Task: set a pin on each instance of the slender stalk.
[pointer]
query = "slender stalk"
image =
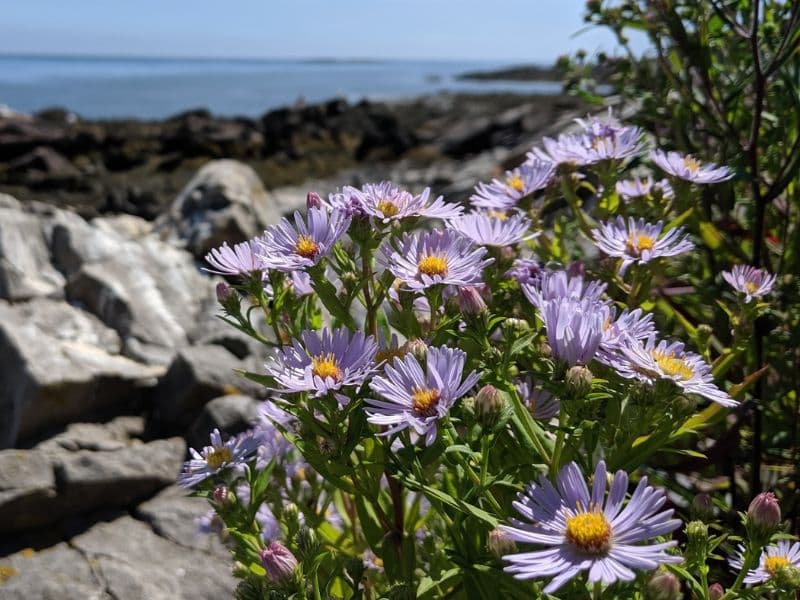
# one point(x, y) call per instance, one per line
point(560, 437)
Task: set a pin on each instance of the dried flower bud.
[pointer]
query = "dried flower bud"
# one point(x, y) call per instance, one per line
point(764, 514)
point(579, 380)
point(663, 586)
point(470, 301)
point(702, 508)
point(313, 200)
point(418, 349)
point(488, 405)
point(715, 591)
point(278, 561)
point(500, 543)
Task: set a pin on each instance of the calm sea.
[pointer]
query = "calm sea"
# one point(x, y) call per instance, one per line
point(156, 88)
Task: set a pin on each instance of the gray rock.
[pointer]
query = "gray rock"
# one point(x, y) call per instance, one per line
point(230, 414)
point(114, 435)
point(57, 573)
point(172, 514)
point(56, 358)
point(27, 488)
point(151, 293)
point(224, 202)
point(197, 375)
point(25, 269)
point(88, 480)
point(135, 563)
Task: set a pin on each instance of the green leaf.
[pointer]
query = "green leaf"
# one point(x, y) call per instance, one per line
point(430, 588)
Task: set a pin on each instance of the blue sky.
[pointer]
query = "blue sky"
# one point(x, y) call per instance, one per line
point(514, 30)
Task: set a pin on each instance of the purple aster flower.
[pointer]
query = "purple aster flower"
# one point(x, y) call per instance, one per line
point(387, 202)
point(631, 324)
point(649, 362)
point(633, 189)
point(286, 247)
point(750, 281)
point(493, 228)
point(278, 561)
point(322, 363)
point(638, 242)
point(575, 329)
point(541, 403)
point(503, 194)
point(773, 558)
point(216, 458)
point(525, 270)
point(689, 168)
point(560, 286)
point(583, 531)
point(416, 397)
point(209, 523)
point(242, 259)
point(434, 257)
point(599, 141)
point(272, 444)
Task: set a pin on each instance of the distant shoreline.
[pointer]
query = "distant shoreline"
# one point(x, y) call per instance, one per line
point(514, 73)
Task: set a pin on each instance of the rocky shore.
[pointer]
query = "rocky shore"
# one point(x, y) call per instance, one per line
point(112, 356)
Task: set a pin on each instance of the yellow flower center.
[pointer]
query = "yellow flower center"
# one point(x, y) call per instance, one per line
point(218, 457)
point(673, 366)
point(306, 247)
point(425, 401)
point(433, 265)
point(772, 564)
point(589, 532)
point(637, 243)
point(750, 287)
point(500, 215)
point(515, 183)
point(691, 163)
point(325, 366)
point(388, 208)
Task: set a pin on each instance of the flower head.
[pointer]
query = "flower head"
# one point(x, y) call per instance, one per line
point(278, 561)
point(575, 329)
point(242, 259)
point(775, 557)
point(618, 331)
point(415, 397)
point(541, 403)
point(435, 257)
point(750, 281)
point(493, 228)
point(525, 270)
point(599, 141)
point(324, 362)
point(649, 362)
point(503, 194)
point(690, 169)
point(633, 189)
point(216, 458)
point(589, 531)
point(560, 286)
point(637, 242)
point(286, 247)
point(387, 202)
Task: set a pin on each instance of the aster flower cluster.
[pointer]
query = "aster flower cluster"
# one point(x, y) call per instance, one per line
point(425, 362)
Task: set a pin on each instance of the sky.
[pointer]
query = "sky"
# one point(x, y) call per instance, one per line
point(494, 30)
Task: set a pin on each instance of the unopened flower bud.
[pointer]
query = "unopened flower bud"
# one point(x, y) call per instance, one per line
point(222, 495)
point(488, 405)
point(508, 253)
point(702, 508)
point(715, 591)
point(663, 586)
point(313, 200)
point(514, 324)
point(223, 291)
point(500, 543)
point(418, 349)
point(290, 512)
point(696, 542)
point(307, 542)
point(787, 578)
point(278, 561)
point(470, 301)
point(545, 350)
point(764, 514)
point(579, 380)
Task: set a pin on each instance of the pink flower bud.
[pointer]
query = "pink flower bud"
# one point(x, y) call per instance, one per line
point(663, 586)
point(278, 560)
point(764, 512)
point(313, 200)
point(500, 543)
point(223, 291)
point(220, 494)
point(470, 300)
point(715, 591)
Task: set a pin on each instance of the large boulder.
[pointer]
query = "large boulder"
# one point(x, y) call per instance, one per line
point(230, 414)
point(224, 202)
point(60, 363)
point(25, 268)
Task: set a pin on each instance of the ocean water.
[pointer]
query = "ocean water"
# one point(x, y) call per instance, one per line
point(97, 87)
